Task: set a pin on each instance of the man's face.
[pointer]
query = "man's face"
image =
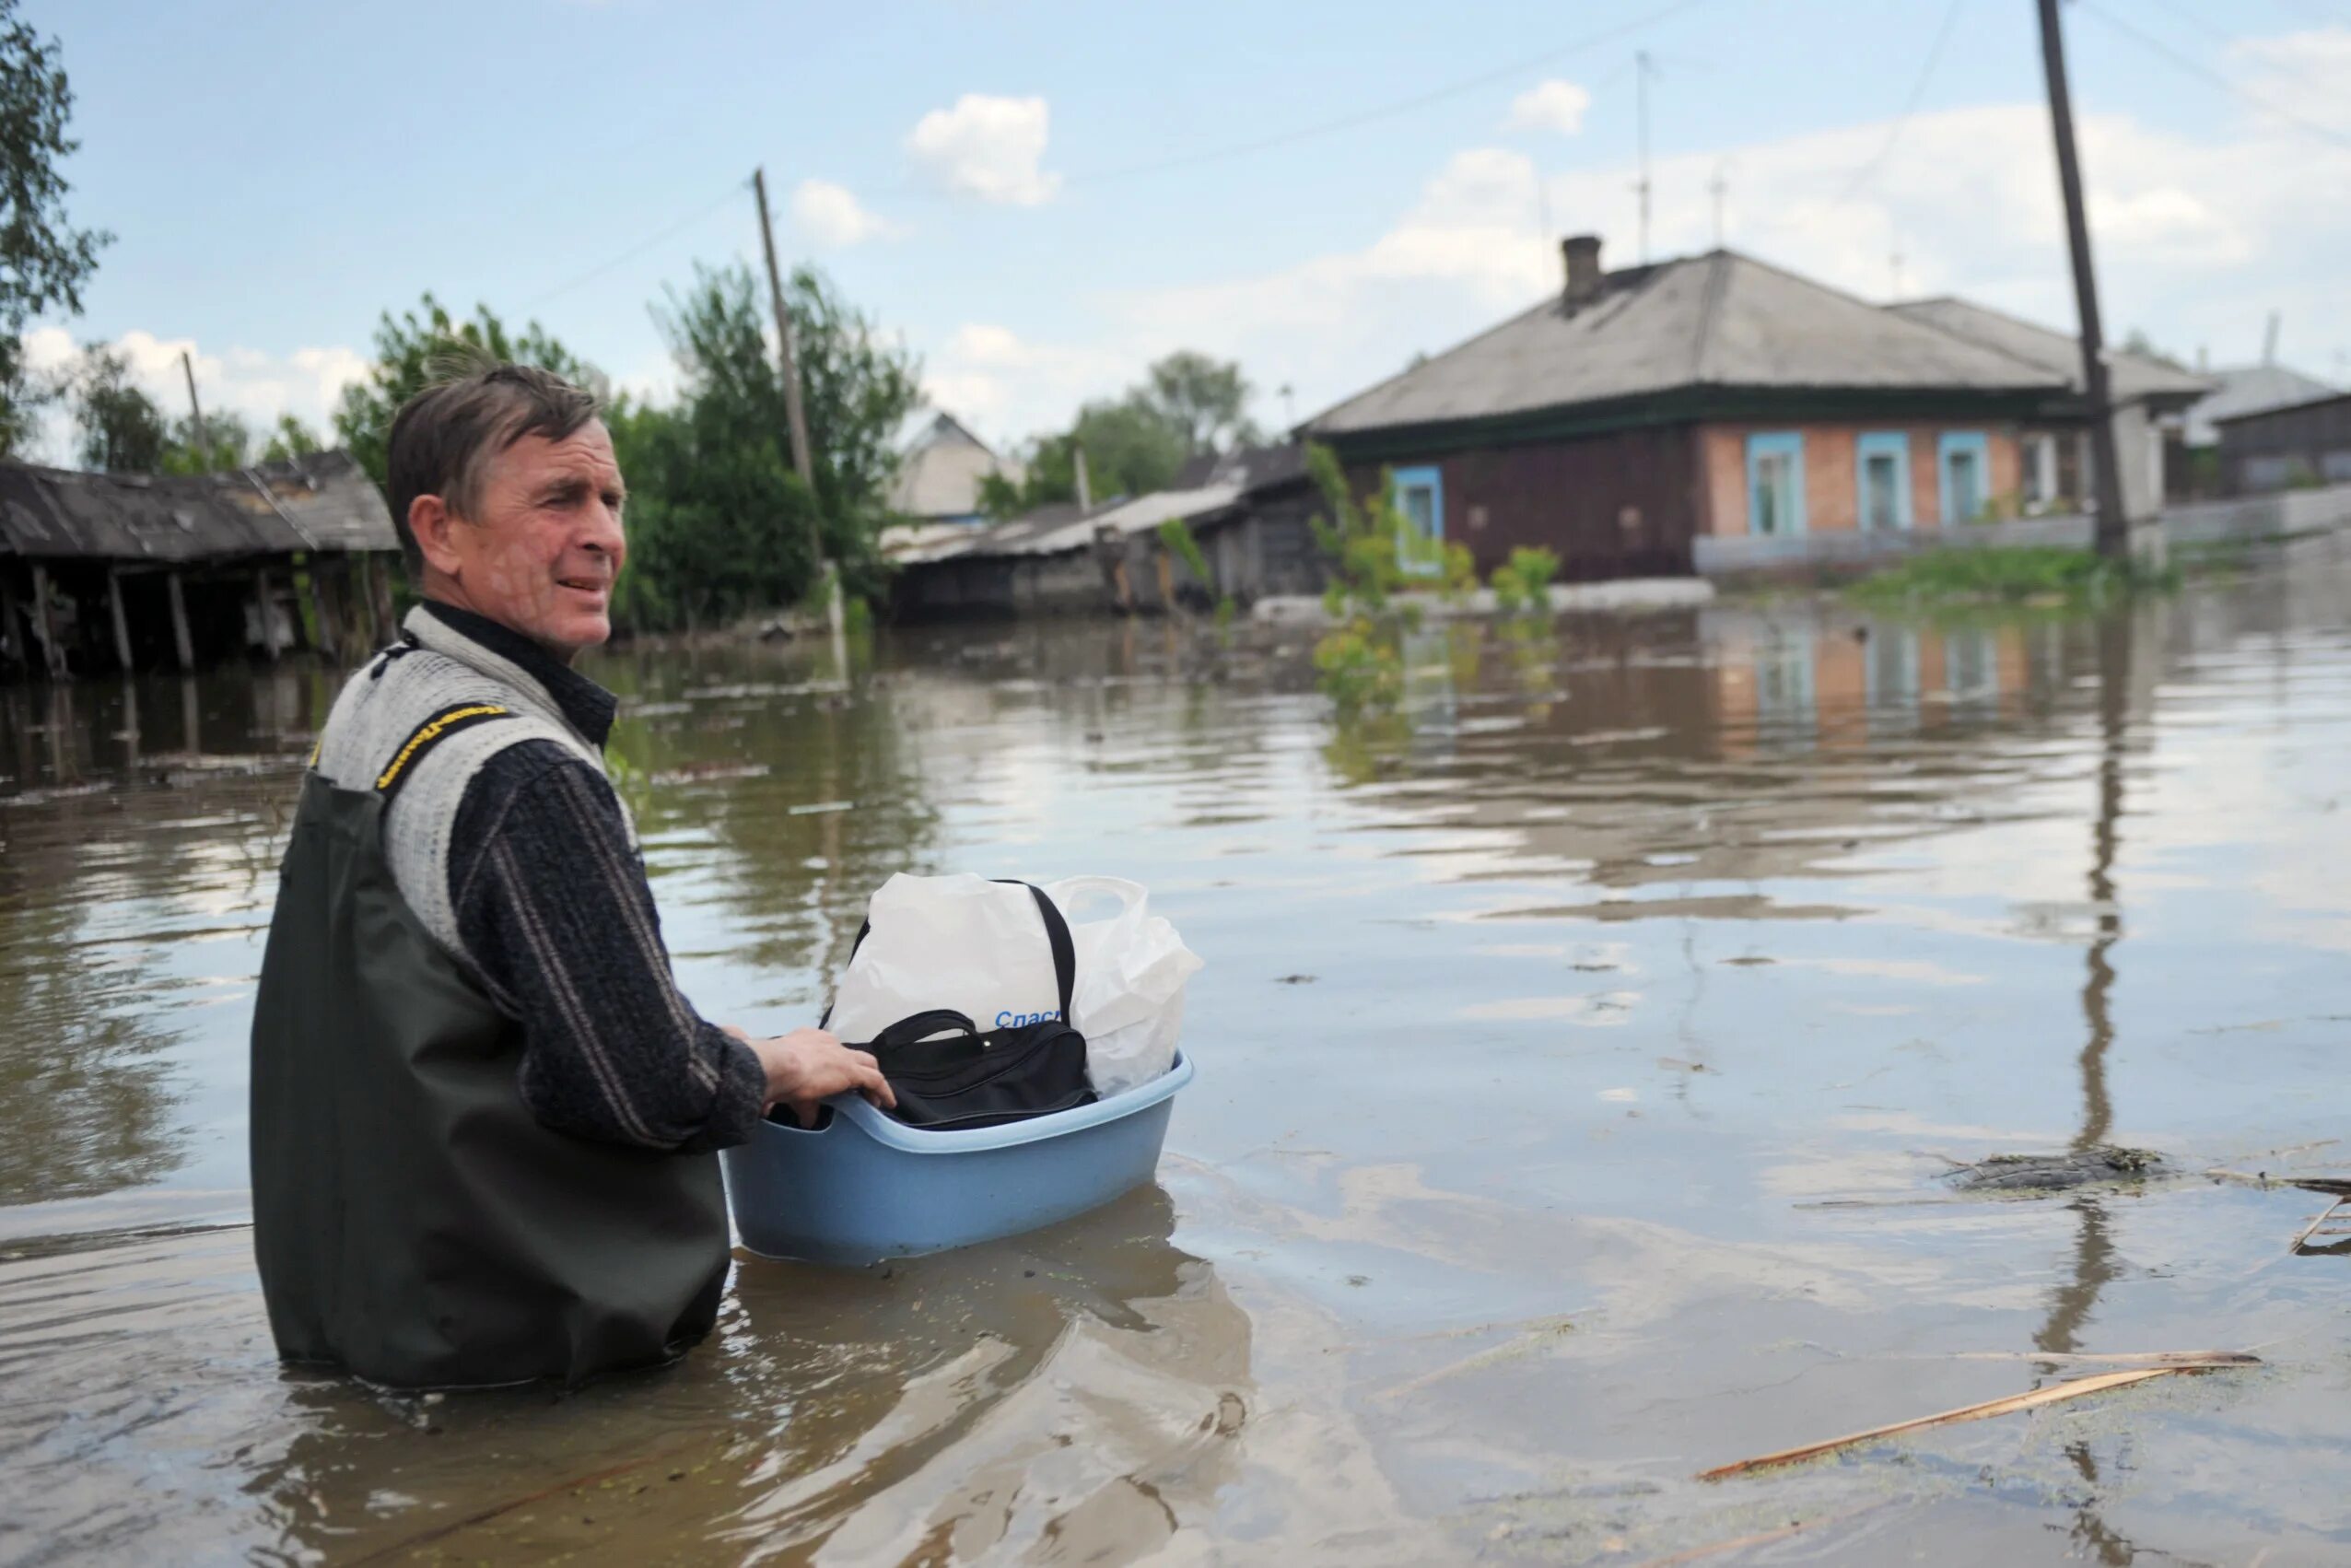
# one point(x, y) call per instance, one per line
point(545, 550)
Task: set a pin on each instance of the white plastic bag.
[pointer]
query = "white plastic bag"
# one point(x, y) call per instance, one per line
point(962, 942)
point(978, 947)
point(1131, 971)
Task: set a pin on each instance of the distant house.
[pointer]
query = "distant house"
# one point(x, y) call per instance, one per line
point(2301, 445)
point(940, 470)
point(129, 571)
point(2248, 388)
point(1640, 409)
point(1247, 510)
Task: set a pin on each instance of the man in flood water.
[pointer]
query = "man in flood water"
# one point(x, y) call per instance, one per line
point(485, 1122)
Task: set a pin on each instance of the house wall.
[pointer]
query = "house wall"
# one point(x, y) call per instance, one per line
point(1831, 495)
point(1623, 504)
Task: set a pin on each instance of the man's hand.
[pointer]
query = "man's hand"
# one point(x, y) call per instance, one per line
point(807, 1065)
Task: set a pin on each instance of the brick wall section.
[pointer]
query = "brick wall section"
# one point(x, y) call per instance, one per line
point(1832, 495)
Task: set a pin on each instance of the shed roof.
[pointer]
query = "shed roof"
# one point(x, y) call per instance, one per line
point(322, 502)
point(2131, 378)
point(2249, 388)
point(1719, 320)
point(2323, 400)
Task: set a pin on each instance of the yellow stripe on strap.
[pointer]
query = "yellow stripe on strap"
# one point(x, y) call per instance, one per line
point(430, 730)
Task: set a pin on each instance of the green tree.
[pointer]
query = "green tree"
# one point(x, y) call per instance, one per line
point(718, 519)
point(1206, 399)
point(289, 439)
point(225, 442)
point(120, 428)
point(44, 259)
point(405, 349)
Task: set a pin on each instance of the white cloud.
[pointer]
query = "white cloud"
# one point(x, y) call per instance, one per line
point(988, 147)
point(1007, 387)
point(831, 215)
point(2197, 238)
point(1554, 106)
point(256, 386)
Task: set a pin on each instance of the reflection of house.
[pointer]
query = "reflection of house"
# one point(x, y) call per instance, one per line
point(2283, 448)
point(1714, 395)
point(135, 571)
point(1249, 512)
point(1794, 684)
point(2149, 396)
point(940, 472)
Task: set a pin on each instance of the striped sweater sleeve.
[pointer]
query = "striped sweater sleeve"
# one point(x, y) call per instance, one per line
point(558, 923)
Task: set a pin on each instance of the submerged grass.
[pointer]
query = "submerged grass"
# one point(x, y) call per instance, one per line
point(2046, 575)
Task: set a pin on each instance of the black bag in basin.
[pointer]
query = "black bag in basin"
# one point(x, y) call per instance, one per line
point(975, 1078)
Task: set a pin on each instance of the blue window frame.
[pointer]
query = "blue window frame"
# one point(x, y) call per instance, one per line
point(1419, 495)
point(1775, 484)
point(1882, 480)
point(1962, 475)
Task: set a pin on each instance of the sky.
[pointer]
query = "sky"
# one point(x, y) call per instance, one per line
point(1038, 198)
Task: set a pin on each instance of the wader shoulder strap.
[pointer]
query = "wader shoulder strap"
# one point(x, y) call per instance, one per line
point(427, 735)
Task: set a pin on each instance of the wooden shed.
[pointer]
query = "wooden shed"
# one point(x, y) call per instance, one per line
point(126, 571)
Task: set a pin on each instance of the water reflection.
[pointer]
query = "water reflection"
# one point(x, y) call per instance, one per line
point(1079, 1394)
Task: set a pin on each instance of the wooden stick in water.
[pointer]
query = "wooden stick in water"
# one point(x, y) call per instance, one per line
point(2313, 1228)
point(2054, 1394)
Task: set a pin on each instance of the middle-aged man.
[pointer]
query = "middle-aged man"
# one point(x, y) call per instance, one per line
point(483, 1120)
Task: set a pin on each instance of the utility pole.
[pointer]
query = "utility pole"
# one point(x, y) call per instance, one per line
point(196, 409)
point(2113, 536)
point(796, 417)
point(1641, 69)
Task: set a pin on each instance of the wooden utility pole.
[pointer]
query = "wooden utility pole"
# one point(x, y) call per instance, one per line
point(1641, 69)
point(2113, 534)
point(795, 414)
point(196, 409)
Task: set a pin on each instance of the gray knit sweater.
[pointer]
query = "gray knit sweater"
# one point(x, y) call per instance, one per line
point(515, 853)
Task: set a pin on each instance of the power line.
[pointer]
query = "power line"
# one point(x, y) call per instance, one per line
point(1868, 171)
point(2196, 68)
point(1212, 154)
point(592, 275)
point(1388, 111)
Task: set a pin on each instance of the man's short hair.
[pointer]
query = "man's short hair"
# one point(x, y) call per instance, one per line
point(443, 438)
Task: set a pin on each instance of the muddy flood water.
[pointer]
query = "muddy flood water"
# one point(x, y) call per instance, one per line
point(1584, 1063)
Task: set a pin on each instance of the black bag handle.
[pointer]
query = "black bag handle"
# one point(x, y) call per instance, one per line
point(1057, 935)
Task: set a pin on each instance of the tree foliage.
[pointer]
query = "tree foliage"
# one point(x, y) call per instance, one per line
point(44, 259)
point(718, 519)
point(289, 439)
point(1206, 399)
point(225, 441)
point(1187, 404)
point(406, 350)
point(118, 428)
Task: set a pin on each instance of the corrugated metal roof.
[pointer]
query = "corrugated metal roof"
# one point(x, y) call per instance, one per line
point(321, 502)
point(1213, 486)
point(2249, 388)
point(2130, 376)
point(1719, 320)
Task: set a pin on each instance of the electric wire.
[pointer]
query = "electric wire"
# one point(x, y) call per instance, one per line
point(2196, 68)
point(1868, 172)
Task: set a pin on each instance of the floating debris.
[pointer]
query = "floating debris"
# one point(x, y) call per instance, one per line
point(2055, 1393)
point(2100, 1164)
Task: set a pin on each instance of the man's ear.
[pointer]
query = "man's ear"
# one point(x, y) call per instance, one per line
point(432, 523)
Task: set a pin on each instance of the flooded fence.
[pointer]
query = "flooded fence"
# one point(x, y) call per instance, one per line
point(110, 572)
point(2246, 519)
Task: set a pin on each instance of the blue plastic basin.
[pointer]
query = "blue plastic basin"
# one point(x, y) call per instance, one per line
point(863, 1186)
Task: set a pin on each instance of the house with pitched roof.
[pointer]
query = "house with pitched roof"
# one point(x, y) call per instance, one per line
point(940, 472)
point(1640, 410)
